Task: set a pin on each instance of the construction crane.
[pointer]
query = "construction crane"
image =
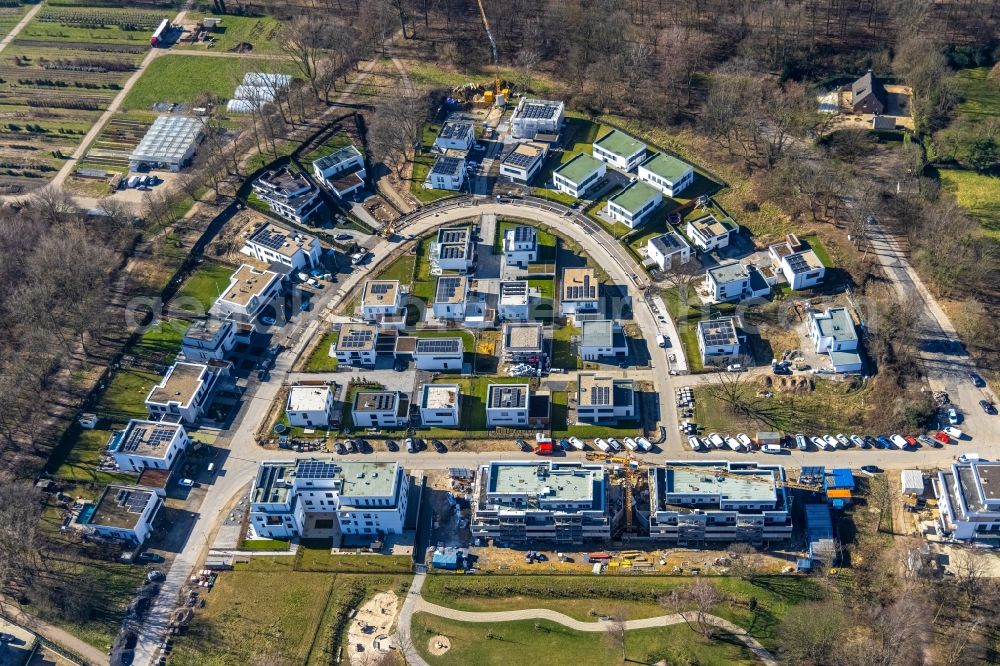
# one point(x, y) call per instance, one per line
point(631, 467)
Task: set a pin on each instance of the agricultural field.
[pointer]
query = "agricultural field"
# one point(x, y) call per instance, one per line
point(107, 155)
point(238, 34)
point(94, 25)
point(10, 16)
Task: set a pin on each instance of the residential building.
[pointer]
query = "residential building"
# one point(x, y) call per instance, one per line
point(602, 338)
point(355, 345)
point(513, 301)
point(249, 291)
point(527, 502)
point(800, 265)
point(321, 498)
point(868, 95)
point(438, 353)
point(168, 144)
point(382, 303)
point(380, 409)
point(507, 405)
point(520, 246)
point(968, 501)
point(733, 281)
point(455, 135)
point(668, 174)
point(342, 171)
point(620, 150)
point(450, 297)
point(579, 291)
point(480, 304)
point(522, 163)
point(578, 175)
point(603, 399)
point(536, 116)
point(447, 173)
point(309, 406)
point(440, 405)
point(454, 250)
point(634, 205)
point(288, 194)
point(522, 341)
point(185, 391)
point(718, 341)
point(834, 334)
point(691, 504)
point(668, 249)
point(709, 233)
point(147, 444)
point(124, 513)
point(209, 339)
point(272, 244)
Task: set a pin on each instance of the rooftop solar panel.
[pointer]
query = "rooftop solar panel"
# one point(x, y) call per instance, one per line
point(538, 110)
point(315, 469)
point(356, 339)
point(447, 287)
point(797, 263)
point(519, 160)
point(507, 396)
point(514, 288)
point(523, 234)
point(448, 166)
point(600, 395)
point(438, 345)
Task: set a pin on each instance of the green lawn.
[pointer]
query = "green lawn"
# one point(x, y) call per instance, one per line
point(315, 555)
point(816, 245)
point(264, 544)
point(202, 287)
point(427, 73)
point(401, 269)
point(261, 31)
point(562, 349)
point(79, 462)
point(162, 342)
point(331, 145)
point(320, 359)
point(547, 243)
point(125, 397)
point(553, 195)
point(182, 79)
point(979, 193)
point(688, 332)
point(422, 164)
point(980, 96)
point(542, 641)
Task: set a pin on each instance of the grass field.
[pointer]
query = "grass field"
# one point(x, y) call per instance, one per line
point(263, 32)
point(534, 642)
point(979, 193)
point(424, 73)
point(183, 79)
point(202, 287)
point(79, 464)
point(320, 359)
point(401, 269)
point(980, 96)
point(331, 145)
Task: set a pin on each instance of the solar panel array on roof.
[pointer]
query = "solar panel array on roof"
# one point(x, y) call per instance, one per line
point(356, 339)
point(447, 286)
point(538, 110)
point(133, 500)
point(448, 166)
point(455, 129)
point(381, 287)
point(519, 160)
point(600, 395)
point(797, 263)
point(507, 396)
point(270, 238)
point(585, 290)
point(453, 235)
point(375, 402)
point(719, 332)
point(514, 288)
point(316, 469)
point(523, 234)
point(138, 437)
point(438, 345)
point(452, 251)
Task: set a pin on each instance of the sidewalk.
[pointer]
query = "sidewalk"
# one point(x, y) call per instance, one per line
point(54, 634)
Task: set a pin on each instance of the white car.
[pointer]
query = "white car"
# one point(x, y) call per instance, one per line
point(844, 442)
point(643, 443)
point(745, 440)
point(858, 442)
point(602, 445)
point(953, 416)
point(801, 442)
point(820, 443)
point(630, 443)
point(694, 443)
point(899, 441)
point(187, 483)
point(577, 443)
point(615, 444)
point(831, 441)
point(716, 440)
point(732, 443)
point(954, 433)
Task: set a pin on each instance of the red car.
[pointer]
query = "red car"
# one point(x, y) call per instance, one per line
point(943, 438)
point(544, 449)
point(912, 441)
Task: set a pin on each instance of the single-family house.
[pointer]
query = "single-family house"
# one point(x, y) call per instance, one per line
point(968, 505)
point(604, 399)
point(249, 291)
point(868, 95)
point(436, 354)
point(148, 444)
point(342, 171)
point(709, 233)
point(718, 340)
point(450, 297)
point(507, 405)
point(440, 405)
point(522, 163)
point(447, 173)
point(579, 293)
point(666, 173)
point(273, 244)
point(454, 250)
point(382, 303)
point(513, 303)
point(602, 338)
point(185, 391)
point(834, 334)
point(800, 265)
point(125, 513)
point(209, 339)
point(578, 175)
point(355, 345)
point(522, 341)
point(520, 246)
point(455, 135)
point(634, 205)
point(733, 281)
point(380, 409)
point(288, 194)
point(309, 406)
point(667, 250)
point(620, 150)
point(536, 116)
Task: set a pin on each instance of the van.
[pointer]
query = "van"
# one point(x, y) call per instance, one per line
point(661, 340)
point(133, 181)
point(211, 468)
point(771, 448)
point(970, 458)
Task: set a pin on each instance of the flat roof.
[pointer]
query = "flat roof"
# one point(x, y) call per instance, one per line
point(307, 398)
point(179, 385)
point(348, 152)
point(540, 109)
point(507, 396)
point(712, 226)
point(579, 167)
point(731, 271)
point(525, 154)
point(440, 396)
point(520, 234)
point(455, 129)
point(448, 166)
point(368, 479)
point(246, 283)
point(597, 333)
point(620, 143)
point(547, 481)
point(636, 195)
point(836, 323)
point(149, 439)
point(718, 331)
point(282, 241)
point(356, 337)
point(168, 140)
point(439, 346)
point(579, 284)
point(514, 292)
point(523, 337)
point(669, 243)
point(803, 261)
point(752, 485)
point(284, 182)
point(207, 329)
point(603, 391)
point(378, 401)
point(380, 292)
point(273, 482)
point(121, 507)
point(450, 289)
point(666, 167)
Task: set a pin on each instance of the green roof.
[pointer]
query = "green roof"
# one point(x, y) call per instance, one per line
point(666, 167)
point(620, 143)
point(633, 197)
point(578, 168)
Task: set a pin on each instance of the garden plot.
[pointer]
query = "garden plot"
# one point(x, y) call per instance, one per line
point(103, 25)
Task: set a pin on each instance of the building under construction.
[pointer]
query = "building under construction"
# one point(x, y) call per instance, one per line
point(696, 502)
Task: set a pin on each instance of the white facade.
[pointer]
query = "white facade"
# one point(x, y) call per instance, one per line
point(312, 498)
point(450, 297)
point(448, 173)
point(309, 406)
point(620, 150)
point(125, 513)
point(454, 250)
point(272, 244)
point(183, 393)
point(579, 292)
point(800, 266)
point(520, 246)
point(439, 353)
point(968, 505)
point(209, 340)
point(834, 334)
point(668, 249)
point(455, 135)
point(536, 116)
point(342, 172)
point(603, 399)
point(507, 405)
point(147, 444)
point(440, 405)
point(380, 409)
point(602, 338)
point(514, 301)
point(578, 175)
point(289, 195)
point(382, 299)
point(633, 205)
point(718, 340)
point(355, 345)
point(522, 163)
point(710, 233)
point(667, 174)
point(249, 292)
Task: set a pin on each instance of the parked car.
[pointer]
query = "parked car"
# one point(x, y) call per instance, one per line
point(392, 446)
point(843, 441)
point(871, 469)
point(954, 433)
point(733, 443)
point(943, 438)
point(899, 441)
point(744, 440)
point(439, 446)
point(970, 457)
point(694, 443)
point(952, 416)
point(343, 237)
point(630, 444)
point(716, 440)
point(187, 483)
point(988, 407)
point(340, 448)
point(801, 443)
point(735, 367)
point(352, 447)
point(911, 440)
point(831, 441)
point(565, 445)
point(818, 443)
point(858, 442)
point(614, 444)
point(929, 441)
point(977, 381)
point(577, 443)
point(644, 443)
point(150, 557)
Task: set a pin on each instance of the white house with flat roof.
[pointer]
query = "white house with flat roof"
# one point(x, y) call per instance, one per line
point(522, 163)
point(455, 135)
point(522, 341)
point(579, 292)
point(185, 391)
point(520, 246)
point(249, 291)
point(536, 116)
point(450, 296)
point(578, 175)
point(602, 338)
point(437, 354)
point(342, 171)
point(440, 405)
point(529, 501)
point(620, 150)
point(690, 505)
point(168, 144)
point(273, 244)
point(666, 173)
point(124, 513)
point(355, 345)
point(380, 409)
point(668, 250)
point(288, 194)
point(733, 281)
point(209, 339)
point(514, 299)
point(382, 303)
point(709, 233)
point(800, 265)
point(447, 173)
point(322, 498)
point(718, 340)
point(604, 399)
point(309, 406)
point(453, 250)
point(834, 334)
point(507, 405)
point(969, 501)
point(147, 444)
point(634, 205)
